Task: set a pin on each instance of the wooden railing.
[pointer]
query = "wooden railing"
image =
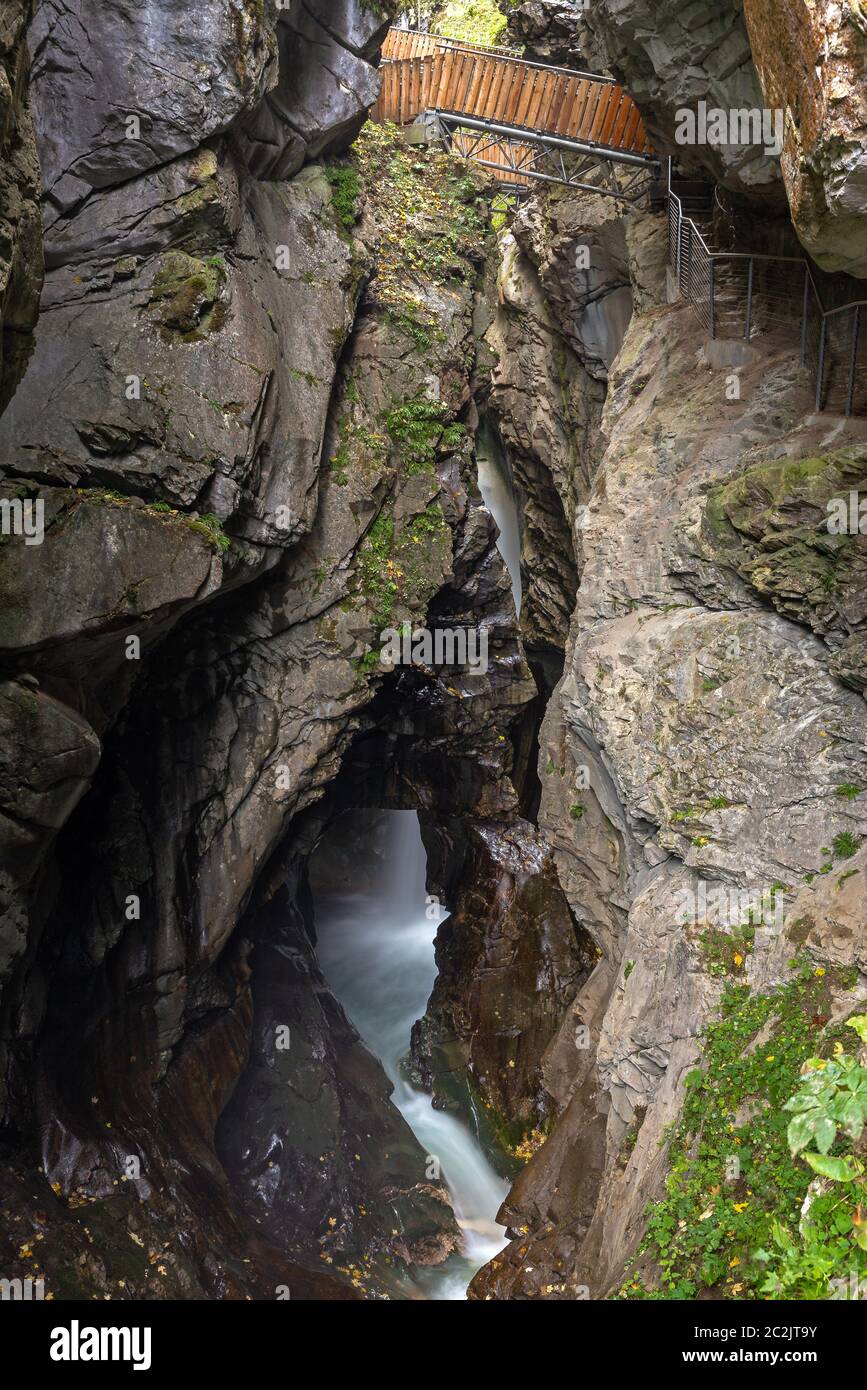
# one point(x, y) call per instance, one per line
point(409, 43)
point(427, 74)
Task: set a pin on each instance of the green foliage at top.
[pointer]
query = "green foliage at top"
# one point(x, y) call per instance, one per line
point(713, 1230)
point(470, 21)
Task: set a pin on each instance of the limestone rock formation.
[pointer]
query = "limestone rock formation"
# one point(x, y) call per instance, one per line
point(245, 422)
point(510, 963)
point(810, 61)
point(547, 31)
point(670, 57)
point(577, 242)
point(206, 445)
point(117, 116)
point(705, 742)
point(327, 80)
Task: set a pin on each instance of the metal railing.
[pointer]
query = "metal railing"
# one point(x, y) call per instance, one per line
point(745, 295)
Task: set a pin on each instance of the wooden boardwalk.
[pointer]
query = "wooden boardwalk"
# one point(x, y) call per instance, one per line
point(421, 72)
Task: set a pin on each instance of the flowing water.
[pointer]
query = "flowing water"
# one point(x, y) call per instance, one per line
point(376, 951)
point(498, 497)
point(375, 946)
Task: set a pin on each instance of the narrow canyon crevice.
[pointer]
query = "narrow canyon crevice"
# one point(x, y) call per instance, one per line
point(371, 976)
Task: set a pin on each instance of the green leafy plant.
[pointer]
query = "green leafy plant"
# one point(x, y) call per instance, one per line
point(717, 1227)
point(829, 1111)
point(414, 427)
point(211, 527)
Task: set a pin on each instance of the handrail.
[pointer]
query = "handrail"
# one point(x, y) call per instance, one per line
point(841, 308)
point(507, 57)
point(511, 55)
point(456, 43)
point(737, 255)
point(422, 72)
point(695, 266)
point(519, 132)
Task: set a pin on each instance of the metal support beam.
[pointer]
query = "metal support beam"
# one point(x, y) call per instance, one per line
point(528, 156)
point(528, 137)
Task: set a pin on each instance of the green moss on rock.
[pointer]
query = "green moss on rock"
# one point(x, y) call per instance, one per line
point(186, 295)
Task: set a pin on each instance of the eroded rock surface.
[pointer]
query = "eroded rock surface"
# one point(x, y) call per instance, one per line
point(698, 743)
point(249, 416)
point(327, 81)
point(547, 31)
point(810, 61)
point(20, 221)
point(510, 962)
point(268, 499)
point(670, 57)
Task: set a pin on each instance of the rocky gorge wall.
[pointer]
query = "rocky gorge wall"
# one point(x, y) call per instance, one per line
point(696, 746)
point(248, 417)
point(266, 341)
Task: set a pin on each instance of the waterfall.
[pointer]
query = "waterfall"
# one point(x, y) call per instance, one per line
point(497, 495)
point(375, 946)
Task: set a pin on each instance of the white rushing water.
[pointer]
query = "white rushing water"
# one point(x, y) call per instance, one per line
point(376, 951)
point(498, 497)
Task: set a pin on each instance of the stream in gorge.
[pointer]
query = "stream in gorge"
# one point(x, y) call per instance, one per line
point(375, 946)
point(498, 496)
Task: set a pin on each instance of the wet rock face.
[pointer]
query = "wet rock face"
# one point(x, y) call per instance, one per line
point(20, 223)
point(549, 31)
point(310, 1137)
point(544, 407)
point(160, 79)
point(211, 425)
point(289, 510)
point(578, 247)
point(670, 56)
point(810, 61)
point(571, 268)
point(509, 963)
point(191, 322)
point(133, 421)
point(327, 81)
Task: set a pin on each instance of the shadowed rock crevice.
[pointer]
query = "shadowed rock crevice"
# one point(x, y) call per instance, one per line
point(247, 412)
point(21, 255)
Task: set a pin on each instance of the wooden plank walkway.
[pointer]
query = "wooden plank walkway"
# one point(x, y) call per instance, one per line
point(421, 72)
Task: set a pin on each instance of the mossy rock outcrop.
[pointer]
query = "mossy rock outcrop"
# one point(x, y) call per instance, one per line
point(776, 526)
point(186, 292)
